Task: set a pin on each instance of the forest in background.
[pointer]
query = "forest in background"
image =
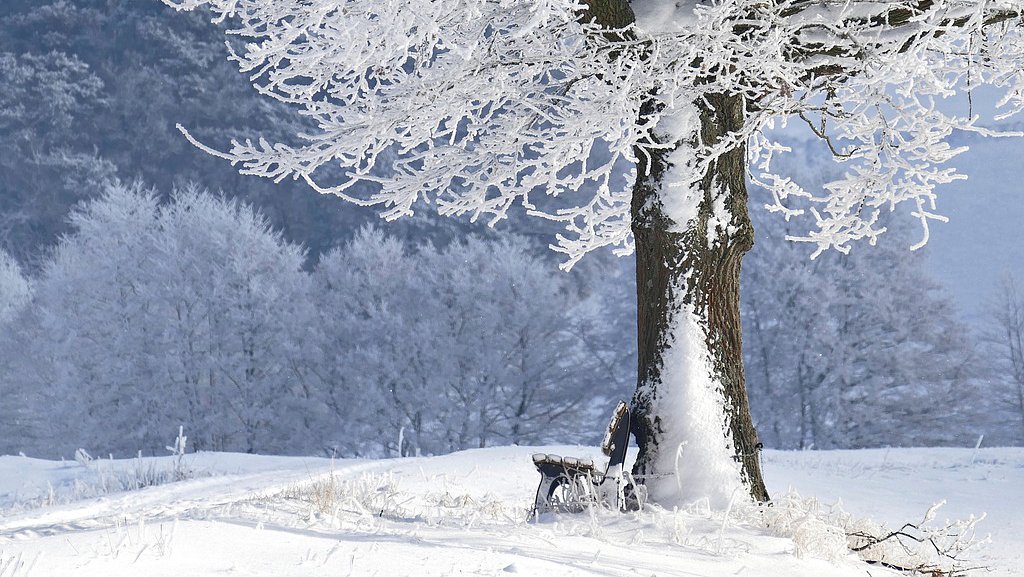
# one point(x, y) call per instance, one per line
point(264, 317)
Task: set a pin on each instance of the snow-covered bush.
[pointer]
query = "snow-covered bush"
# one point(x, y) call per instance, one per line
point(370, 495)
point(828, 532)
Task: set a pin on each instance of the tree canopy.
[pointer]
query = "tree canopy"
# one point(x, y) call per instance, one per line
point(477, 105)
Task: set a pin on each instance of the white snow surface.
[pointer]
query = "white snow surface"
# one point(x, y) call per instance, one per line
point(466, 514)
point(696, 457)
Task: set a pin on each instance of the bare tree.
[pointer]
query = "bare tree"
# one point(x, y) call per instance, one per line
point(1006, 339)
point(492, 103)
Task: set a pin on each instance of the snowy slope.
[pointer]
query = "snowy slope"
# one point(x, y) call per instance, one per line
point(464, 514)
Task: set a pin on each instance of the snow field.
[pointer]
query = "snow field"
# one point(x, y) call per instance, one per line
point(467, 514)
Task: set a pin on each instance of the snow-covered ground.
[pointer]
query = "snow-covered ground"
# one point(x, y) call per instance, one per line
point(467, 514)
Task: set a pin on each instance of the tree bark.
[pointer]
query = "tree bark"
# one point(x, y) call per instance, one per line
point(684, 269)
point(675, 270)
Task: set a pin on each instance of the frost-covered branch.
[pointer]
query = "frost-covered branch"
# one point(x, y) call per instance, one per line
point(475, 106)
point(921, 547)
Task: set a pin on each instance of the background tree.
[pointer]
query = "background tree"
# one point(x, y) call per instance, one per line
point(148, 317)
point(233, 301)
point(358, 302)
point(1005, 339)
point(405, 328)
point(193, 311)
point(532, 380)
point(44, 169)
point(86, 326)
point(16, 419)
point(15, 290)
point(490, 103)
point(92, 91)
point(852, 351)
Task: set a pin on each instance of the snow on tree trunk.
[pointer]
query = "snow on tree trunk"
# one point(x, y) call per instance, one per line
point(694, 427)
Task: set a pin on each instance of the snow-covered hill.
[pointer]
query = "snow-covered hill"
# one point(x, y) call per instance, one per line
point(467, 514)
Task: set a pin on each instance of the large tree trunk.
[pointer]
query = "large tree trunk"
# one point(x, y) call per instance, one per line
point(692, 423)
point(690, 371)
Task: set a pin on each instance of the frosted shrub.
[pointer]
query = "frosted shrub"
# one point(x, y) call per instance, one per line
point(371, 495)
point(83, 458)
point(923, 547)
point(817, 538)
point(181, 469)
point(135, 539)
point(378, 496)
